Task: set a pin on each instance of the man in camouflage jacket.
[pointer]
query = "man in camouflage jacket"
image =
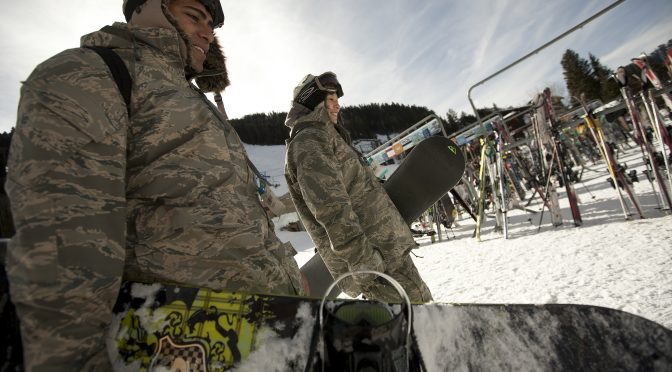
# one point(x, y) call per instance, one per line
point(346, 211)
point(98, 196)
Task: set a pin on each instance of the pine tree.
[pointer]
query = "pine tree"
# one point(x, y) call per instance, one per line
point(466, 119)
point(452, 121)
point(578, 76)
point(608, 86)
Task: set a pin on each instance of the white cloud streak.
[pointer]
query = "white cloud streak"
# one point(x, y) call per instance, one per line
point(412, 52)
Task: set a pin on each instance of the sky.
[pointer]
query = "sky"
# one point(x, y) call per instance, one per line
point(425, 53)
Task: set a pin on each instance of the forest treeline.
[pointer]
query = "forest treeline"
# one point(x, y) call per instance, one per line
point(363, 121)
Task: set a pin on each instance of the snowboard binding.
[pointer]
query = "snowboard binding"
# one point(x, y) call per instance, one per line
point(366, 336)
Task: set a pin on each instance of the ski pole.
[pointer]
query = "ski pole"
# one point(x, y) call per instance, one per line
point(462, 203)
point(587, 189)
point(548, 183)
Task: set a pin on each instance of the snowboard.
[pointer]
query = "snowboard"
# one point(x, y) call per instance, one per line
point(429, 171)
point(176, 328)
point(163, 327)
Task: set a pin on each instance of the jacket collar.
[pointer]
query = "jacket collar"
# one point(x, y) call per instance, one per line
point(124, 36)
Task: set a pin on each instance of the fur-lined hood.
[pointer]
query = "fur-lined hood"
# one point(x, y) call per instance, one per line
point(215, 77)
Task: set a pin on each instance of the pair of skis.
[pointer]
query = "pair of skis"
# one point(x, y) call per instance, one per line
point(616, 172)
point(647, 149)
point(491, 161)
point(662, 135)
point(518, 168)
point(551, 148)
point(559, 149)
point(649, 78)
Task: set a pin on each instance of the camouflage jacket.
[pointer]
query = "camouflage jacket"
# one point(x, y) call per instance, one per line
point(340, 201)
point(165, 196)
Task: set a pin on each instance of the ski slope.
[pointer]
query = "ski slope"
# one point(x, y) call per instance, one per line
point(608, 261)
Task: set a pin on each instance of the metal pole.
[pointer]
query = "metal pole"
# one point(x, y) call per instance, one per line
point(580, 25)
point(403, 134)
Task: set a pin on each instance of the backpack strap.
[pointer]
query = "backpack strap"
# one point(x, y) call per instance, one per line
point(119, 72)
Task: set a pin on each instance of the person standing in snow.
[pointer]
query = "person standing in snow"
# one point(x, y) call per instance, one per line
point(346, 211)
point(159, 193)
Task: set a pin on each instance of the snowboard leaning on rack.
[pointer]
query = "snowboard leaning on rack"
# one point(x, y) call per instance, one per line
point(429, 171)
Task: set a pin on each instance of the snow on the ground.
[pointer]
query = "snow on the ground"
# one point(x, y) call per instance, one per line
point(608, 261)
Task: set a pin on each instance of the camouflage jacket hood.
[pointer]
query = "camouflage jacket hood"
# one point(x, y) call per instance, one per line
point(301, 114)
point(213, 78)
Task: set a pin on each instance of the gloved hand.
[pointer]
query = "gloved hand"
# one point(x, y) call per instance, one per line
point(373, 261)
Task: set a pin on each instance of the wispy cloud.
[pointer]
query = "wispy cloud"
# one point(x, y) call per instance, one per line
point(413, 52)
point(644, 41)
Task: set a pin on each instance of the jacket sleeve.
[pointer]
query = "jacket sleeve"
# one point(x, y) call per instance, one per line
point(66, 187)
point(319, 178)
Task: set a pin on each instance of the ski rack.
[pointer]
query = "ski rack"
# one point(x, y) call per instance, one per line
point(400, 138)
point(475, 130)
point(577, 120)
point(496, 123)
point(537, 50)
point(461, 135)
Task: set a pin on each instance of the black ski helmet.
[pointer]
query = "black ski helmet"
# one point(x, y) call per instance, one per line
point(213, 6)
point(313, 89)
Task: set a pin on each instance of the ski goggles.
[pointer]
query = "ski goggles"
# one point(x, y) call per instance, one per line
point(329, 83)
point(313, 88)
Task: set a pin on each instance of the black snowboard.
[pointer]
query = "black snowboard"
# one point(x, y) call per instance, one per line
point(431, 169)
